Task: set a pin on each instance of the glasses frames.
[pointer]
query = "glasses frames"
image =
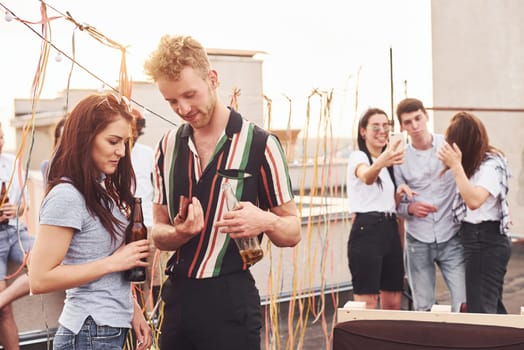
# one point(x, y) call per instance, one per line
point(377, 128)
point(119, 99)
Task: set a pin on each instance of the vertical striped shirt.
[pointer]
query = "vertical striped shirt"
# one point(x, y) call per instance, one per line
point(243, 146)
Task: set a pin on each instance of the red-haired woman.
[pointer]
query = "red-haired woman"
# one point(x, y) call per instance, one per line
point(80, 245)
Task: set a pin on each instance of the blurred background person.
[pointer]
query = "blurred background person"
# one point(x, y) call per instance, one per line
point(142, 158)
point(481, 173)
point(56, 139)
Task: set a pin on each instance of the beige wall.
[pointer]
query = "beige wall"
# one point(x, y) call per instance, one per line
point(244, 73)
point(478, 61)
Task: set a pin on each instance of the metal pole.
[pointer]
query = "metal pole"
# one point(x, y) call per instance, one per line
point(477, 109)
point(391, 86)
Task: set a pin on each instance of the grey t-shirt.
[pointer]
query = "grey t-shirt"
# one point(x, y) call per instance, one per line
point(107, 300)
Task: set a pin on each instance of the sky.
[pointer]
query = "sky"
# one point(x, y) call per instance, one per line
point(309, 45)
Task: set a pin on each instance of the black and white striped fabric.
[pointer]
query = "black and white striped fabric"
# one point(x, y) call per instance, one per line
point(458, 207)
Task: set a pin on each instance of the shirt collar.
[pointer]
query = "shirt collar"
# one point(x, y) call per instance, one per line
point(234, 125)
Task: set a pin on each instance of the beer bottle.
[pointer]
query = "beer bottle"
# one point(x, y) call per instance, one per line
point(135, 232)
point(4, 198)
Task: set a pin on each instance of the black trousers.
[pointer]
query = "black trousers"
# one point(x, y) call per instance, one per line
point(487, 254)
point(212, 313)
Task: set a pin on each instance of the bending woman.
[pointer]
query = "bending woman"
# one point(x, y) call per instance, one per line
point(374, 246)
point(481, 173)
point(80, 245)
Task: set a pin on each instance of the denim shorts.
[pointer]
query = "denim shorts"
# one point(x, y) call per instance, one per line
point(90, 337)
point(10, 249)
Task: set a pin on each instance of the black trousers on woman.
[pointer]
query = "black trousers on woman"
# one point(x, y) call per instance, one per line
point(487, 254)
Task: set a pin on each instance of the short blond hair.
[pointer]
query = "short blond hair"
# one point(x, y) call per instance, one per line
point(173, 54)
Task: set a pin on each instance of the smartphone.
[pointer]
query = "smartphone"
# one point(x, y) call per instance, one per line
point(395, 137)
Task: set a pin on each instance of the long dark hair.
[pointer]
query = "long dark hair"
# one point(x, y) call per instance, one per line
point(72, 161)
point(470, 135)
point(361, 142)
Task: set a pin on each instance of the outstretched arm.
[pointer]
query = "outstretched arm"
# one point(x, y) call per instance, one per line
point(392, 155)
point(17, 289)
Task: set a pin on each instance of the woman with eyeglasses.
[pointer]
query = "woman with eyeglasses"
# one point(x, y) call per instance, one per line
point(374, 246)
point(80, 245)
point(481, 173)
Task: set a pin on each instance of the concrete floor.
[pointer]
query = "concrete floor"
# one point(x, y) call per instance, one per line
point(317, 334)
point(315, 338)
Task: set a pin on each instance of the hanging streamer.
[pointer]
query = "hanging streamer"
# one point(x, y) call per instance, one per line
point(303, 303)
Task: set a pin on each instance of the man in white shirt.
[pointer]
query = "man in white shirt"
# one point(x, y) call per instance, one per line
point(431, 233)
point(142, 158)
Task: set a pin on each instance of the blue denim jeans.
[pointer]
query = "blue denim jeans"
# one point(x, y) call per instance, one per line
point(487, 255)
point(421, 260)
point(90, 337)
point(10, 249)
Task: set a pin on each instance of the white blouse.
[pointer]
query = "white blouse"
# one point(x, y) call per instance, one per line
point(489, 178)
point(364, 198)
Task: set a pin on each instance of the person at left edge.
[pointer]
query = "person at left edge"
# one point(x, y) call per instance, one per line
point(80, 247)
point(15, 243)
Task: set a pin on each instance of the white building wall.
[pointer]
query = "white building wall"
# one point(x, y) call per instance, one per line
point(478, 62)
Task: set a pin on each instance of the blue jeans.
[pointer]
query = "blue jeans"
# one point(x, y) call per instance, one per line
point(487, 255)
point(420, 261)
point(90, 337)
point(10, 249)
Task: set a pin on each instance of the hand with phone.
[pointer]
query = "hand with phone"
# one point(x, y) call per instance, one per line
point(393, 154)
point(398, 141)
